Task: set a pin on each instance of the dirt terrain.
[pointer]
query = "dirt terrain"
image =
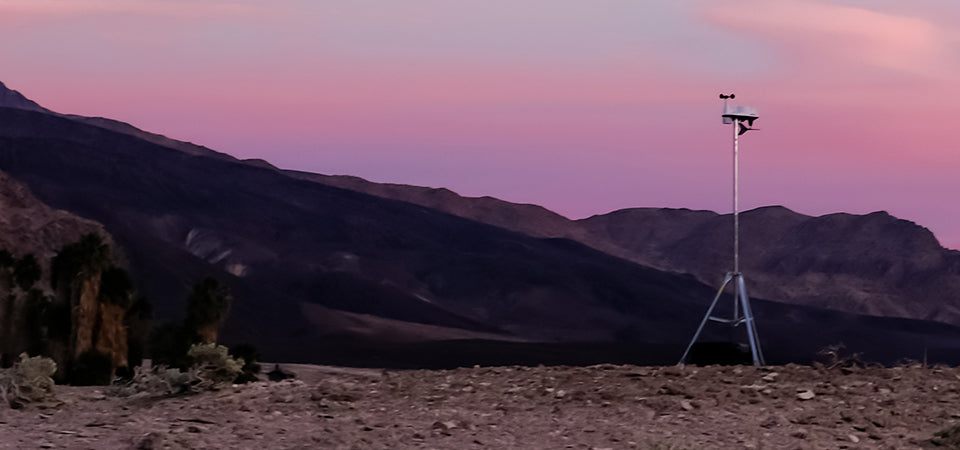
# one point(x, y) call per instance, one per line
point(597, 407)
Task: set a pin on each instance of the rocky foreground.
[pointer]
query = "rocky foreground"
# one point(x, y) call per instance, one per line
point(594, 407)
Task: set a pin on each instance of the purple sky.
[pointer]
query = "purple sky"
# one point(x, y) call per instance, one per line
point(581, 106)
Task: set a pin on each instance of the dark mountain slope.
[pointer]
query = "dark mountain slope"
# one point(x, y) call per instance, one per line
point(533, 220)
point(291, 242)
point(10, 98)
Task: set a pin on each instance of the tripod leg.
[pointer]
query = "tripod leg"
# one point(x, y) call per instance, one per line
point(706, 317)
point(751, 325)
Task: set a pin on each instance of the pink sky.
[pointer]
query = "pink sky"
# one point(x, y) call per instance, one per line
point(581, 106)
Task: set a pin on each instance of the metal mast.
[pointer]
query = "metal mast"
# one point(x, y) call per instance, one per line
point(735, 116)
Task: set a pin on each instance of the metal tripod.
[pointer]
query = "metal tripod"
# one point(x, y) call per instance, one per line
point(742, 313)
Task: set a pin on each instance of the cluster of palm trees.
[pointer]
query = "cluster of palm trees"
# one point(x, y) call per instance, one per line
point(90, 320)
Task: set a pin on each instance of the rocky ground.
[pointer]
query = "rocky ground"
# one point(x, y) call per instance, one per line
point(596, 407)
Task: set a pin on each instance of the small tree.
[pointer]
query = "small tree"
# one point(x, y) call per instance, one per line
point(207, 307)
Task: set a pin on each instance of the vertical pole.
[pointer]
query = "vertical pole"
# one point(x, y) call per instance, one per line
point(736, 196)
point(736, 216)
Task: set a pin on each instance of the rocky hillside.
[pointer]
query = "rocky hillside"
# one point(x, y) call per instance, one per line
point(869, 264)
point(324, 273)
point(29, 226)
point(533, 220)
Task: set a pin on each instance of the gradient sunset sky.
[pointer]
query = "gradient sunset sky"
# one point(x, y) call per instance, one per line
point(582, 106)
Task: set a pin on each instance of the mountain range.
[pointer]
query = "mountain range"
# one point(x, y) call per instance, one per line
point(335, 268)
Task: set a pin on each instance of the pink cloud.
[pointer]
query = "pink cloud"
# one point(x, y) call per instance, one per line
point(842, 36)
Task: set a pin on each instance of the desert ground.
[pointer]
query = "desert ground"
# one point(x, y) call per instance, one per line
point(596, 407)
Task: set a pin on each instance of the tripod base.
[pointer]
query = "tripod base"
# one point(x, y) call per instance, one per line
point(741, 303)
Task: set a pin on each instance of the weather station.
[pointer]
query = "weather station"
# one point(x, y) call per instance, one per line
point(742, 118)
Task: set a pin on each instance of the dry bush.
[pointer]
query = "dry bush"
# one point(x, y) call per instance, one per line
point(213, 365)
point(157, 380)
point(837, 357)
point(28, 381)
point(212, 368)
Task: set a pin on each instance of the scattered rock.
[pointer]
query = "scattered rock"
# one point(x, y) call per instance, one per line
point(150, 441)
point(805, 394)
point(770, 422)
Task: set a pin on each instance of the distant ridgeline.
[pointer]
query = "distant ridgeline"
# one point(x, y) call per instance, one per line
point(88, 319)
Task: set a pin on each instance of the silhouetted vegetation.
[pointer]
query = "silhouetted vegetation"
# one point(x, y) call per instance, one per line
point(169, 345)
point(138, 322)
point(26, 272)
point(91, 324)
point(80, 260)
point(92, 368)
point(207, 307)
point(116, 287)
point(251, 363)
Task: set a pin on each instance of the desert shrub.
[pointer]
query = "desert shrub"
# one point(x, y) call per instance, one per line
point(212, 367)
point(837, 356)
point(156, 380)
point(251, 365)
point(213, 364)
point(28, 381)
point(91, 368)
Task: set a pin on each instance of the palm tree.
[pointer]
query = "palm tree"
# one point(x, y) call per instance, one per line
point(207, 307)
point(116, 296)
point(75, 275)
